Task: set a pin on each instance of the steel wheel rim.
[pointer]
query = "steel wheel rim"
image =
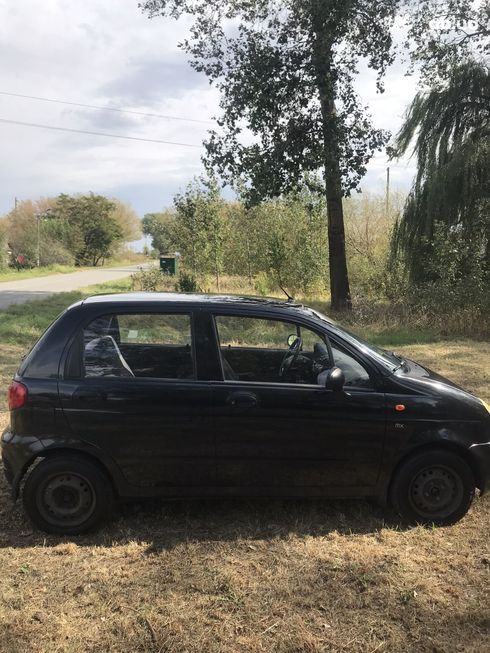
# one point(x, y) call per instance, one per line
point(66, 499)
point(436, 492)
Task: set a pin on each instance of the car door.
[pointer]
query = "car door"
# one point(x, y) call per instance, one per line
point(136, 395)
point(291, 435)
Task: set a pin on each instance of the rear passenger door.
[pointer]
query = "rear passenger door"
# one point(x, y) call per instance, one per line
point(132, 390)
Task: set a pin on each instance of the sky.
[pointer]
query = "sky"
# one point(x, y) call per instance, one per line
point(110, 54)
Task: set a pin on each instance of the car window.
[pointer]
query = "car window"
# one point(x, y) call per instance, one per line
point(261, 350)
point(355, 374)
point(154, 345)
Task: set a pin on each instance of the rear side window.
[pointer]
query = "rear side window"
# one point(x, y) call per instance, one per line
point(153, 345)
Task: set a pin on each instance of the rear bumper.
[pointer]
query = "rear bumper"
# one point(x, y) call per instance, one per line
point(480, 456)
point(18, 452)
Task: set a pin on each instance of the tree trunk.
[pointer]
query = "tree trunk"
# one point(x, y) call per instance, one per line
point(340, 298)
point(339, 279)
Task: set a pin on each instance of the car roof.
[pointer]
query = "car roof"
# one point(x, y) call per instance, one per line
point(189, 298)
point(201, 299)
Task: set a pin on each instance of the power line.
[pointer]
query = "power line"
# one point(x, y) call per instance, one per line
point(94, 106)
point(90, 133)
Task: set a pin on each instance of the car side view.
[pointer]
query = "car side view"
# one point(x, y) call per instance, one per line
point(182, 395)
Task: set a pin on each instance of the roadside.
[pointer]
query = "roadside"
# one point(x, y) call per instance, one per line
point(24, 290)
point(11, 274)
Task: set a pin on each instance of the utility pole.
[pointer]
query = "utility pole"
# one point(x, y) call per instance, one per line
point(16, 201)
point(387, 201)
point(38, 218)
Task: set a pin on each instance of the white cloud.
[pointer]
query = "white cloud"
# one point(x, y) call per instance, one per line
point(109, 53)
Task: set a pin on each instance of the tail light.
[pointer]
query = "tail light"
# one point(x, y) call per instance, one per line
point(16, 395)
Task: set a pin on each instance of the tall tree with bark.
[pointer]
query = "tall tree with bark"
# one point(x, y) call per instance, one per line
point(285, 71)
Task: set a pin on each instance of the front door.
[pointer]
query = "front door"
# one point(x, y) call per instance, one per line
point(136, 396)
point(276, 429)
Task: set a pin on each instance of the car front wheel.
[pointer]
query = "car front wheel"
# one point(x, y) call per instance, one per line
point(67, 495)
point(433, 487)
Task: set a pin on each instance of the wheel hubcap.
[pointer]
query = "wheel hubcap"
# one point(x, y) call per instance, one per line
point(67, 499)
point(436, 492)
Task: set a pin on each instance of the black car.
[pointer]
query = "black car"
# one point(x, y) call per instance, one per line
point(174, 395)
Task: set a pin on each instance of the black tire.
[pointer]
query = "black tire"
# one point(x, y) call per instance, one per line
point(67, 495)
point(433, 487)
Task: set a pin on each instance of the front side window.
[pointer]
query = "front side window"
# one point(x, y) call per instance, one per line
point(154, 345)
point(356, 375)
point(275, 351)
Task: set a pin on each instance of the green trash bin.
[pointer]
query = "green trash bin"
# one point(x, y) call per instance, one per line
point(169, 265)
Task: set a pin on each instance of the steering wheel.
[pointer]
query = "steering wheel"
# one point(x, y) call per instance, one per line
point(290, 356)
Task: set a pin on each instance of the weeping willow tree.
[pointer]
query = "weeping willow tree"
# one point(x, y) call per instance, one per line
point(449, 127)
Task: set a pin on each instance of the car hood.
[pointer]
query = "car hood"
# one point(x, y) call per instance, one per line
point(427, 380)
point(418, 371)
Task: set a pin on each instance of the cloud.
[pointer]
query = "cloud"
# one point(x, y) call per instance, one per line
point(109, 53)
point(153, 82)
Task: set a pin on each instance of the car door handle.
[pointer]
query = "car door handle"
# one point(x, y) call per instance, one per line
point(242, 399)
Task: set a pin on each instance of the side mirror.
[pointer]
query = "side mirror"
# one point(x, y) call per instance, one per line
point(292, 338)
point(335, 379)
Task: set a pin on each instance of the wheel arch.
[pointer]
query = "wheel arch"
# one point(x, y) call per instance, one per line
point(110, 470)
point(440, 445)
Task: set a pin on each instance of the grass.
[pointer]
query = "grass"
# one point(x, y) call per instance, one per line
point(247, 576)
point(10, 274)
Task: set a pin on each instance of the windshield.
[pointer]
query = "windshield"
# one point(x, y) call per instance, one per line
point(387, 358)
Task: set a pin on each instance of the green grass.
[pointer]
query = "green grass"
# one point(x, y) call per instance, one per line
point(16, 275)
point(9, 274)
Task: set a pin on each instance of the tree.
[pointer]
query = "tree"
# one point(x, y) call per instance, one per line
point(443, 33)
point(200, 225)
point(159, 227)
point(285, 71)
point(91, 231)
point(129, 223)
point(21, 226)
point(449, 126)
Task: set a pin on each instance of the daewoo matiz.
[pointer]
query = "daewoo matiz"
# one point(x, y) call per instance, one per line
point(149, 394)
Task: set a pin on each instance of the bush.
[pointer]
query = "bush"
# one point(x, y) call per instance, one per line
point(187, 283)
point(150, 280)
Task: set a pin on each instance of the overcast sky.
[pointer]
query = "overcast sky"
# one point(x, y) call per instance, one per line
point(108, 53)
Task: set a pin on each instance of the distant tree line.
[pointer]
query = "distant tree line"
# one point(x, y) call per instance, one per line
point(67, 230)
point(280, 243)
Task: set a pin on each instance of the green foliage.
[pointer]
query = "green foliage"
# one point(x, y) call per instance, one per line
point(147, 280)
point(160, 227)
point(442, 33)
point(450, 128)
point(199, 230)
point(187, 283)
point(285, 72)
point(89, 228)
point(67, 230)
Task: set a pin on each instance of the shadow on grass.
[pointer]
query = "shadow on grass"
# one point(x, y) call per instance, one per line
point(164, 524)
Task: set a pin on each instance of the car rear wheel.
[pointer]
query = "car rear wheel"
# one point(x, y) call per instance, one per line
point(67, 495)
point(433, 487)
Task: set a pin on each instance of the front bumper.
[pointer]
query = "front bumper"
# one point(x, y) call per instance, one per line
point(480, 456)
point(18, 452)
